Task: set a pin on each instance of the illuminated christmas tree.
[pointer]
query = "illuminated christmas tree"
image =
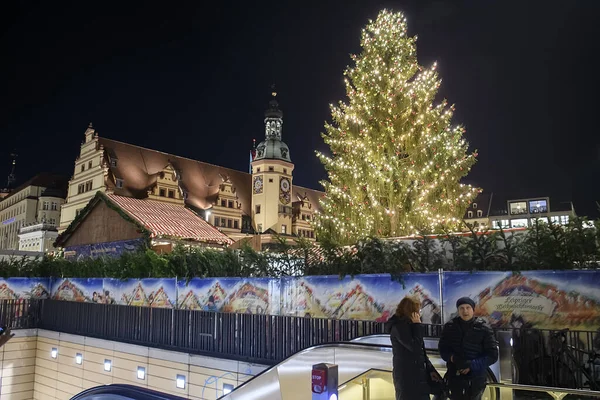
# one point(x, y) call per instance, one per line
point(396, 161)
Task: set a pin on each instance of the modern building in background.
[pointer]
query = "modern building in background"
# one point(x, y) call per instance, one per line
point(37, 201)
point(38, 237)
point(522, 213)
point(245, 206)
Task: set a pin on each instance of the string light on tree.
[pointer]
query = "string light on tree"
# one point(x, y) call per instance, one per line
point(396, 160)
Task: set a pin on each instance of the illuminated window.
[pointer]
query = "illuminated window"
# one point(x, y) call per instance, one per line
point(518, 208)
point(538, 206)
point(519, 223)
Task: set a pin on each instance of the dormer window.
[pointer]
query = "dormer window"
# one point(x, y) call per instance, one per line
point(223, 203)
point(119, 183)
point(171, 194)
point(474, 205)
point(113, 162)
point(470, 214)
point(230, 204)
point(479, 213)
point(162, 193)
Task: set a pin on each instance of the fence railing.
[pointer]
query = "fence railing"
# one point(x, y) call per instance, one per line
point(541, 357)
point(557, 358)
point(19, 314)
point(265, 339)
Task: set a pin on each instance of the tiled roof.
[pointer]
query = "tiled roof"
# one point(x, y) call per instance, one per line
point(169, 220)
point(139, 168)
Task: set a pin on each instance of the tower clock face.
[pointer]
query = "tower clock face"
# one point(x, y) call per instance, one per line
point(258, 184)
point(284, 191)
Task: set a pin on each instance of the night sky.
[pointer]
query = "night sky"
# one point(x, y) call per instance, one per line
point(195, 80)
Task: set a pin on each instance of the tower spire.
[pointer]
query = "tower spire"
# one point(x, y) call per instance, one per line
point(12, 177)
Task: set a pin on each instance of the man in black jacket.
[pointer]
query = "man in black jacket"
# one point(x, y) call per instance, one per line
point(469, 347)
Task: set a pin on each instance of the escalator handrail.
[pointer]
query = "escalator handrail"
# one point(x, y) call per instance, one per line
point(352, 345)
point(315, 347)
point(134, 392)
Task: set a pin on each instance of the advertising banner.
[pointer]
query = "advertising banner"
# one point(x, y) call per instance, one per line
point(24, 288)
point(539, 299)
point(77, 289)
point(236, 295)
point(366, 297)
point(109, 249)
point(149, 292)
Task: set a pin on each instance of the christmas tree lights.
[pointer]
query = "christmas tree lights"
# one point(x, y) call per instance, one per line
point(396, 161)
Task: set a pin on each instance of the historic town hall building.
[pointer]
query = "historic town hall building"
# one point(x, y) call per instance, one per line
point(241, 205)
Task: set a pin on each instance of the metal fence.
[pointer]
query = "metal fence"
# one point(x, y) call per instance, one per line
point(557, 358)
point(19, 314)
point(540, 357)
point(265, 339)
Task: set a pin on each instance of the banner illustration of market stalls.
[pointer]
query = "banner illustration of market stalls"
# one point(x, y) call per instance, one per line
point(364, 297)
point(540, 299)
point(237, 295)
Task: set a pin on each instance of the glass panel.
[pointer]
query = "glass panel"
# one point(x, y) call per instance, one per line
point(538, 206)
point(518, 207)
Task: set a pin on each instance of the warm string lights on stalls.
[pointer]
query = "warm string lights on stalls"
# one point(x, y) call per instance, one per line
point(396, 161)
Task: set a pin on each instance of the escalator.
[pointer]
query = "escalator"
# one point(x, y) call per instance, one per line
point(123, 392)
point(364, 367)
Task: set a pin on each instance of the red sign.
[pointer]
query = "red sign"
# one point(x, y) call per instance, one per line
point(319, 380)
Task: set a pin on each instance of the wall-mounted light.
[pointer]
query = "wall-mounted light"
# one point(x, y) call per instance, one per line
point(180, 381)
point(78, 358)
point(54, 352)
point(141, 373)
point(227, 388)
point(107, 365)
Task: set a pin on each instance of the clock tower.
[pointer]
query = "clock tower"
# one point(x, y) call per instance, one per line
point(272, 177)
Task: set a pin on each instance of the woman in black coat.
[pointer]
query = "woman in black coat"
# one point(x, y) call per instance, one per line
point(412, 369)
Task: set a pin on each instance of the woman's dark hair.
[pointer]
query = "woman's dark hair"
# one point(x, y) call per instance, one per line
point(407, 306)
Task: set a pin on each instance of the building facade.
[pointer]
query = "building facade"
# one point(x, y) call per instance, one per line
point(38, 200)
point(38, 237)
point(242, 205)
point(522, 213)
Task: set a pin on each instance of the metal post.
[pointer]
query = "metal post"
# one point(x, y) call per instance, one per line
point(441, 293)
